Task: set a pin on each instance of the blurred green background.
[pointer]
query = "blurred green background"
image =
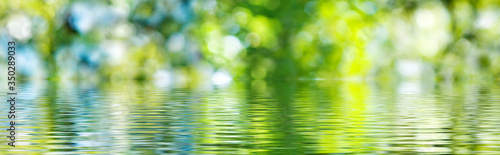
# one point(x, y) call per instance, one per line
point(222, 40)
point(420, 53)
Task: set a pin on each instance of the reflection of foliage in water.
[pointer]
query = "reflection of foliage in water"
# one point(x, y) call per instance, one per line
point(447, 40)
point(273, 118)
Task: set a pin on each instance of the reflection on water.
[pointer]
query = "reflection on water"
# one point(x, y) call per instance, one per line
point(258, 118)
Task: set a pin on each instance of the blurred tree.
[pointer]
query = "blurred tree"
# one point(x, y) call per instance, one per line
point(260, 39)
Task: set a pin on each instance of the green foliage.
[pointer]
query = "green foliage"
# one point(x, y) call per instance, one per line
point(262, 39)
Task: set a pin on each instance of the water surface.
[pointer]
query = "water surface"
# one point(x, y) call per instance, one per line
point(305, 117)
